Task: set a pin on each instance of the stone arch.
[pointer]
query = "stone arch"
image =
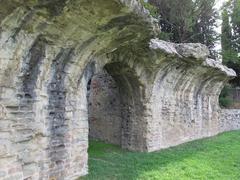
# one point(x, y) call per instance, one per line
point(48, 53)
point(104, 108)
point(68, 119)
point(132, 94)
point(24, 99)
point(183, 103)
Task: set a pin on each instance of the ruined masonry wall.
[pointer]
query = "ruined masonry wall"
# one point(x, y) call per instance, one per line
point(104, 109)
point(230, 119)
point(168, 92)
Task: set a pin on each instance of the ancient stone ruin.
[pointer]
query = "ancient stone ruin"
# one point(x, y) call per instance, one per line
point(94, 68)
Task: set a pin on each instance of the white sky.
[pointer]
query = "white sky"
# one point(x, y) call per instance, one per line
point(219, 3)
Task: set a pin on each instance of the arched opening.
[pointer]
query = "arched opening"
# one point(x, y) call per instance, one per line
point(229, 101)
point(104, 108)
point(230, 94)
point(230, 97)
point(115, 107)
point(118, 106)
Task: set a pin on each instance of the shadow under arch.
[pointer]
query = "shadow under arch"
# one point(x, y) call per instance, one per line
point(121, 85)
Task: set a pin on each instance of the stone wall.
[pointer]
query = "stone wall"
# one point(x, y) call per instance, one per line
point(45, 47)
point(104, 109)
point(230, 119)
point(184, 98)
point(49, 50)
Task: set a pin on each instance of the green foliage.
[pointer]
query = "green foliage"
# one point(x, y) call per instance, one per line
point(165, 36)
point(213, 158)
point(205, 24)
point(188, 21)
point(151, 8)
point(224, 99)
point(226, 37)
point(230, 37)
point(235, 19)
point(175, 17)
point(225, 102)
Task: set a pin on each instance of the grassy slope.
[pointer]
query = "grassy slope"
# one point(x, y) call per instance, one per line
point(213, 158)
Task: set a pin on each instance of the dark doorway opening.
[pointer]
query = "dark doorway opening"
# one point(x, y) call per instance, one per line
point(104, 108)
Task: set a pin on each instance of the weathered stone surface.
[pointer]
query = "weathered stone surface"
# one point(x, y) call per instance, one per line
point(3, 112)
point(49, 50)
point(104, 109)
point(189, 50)
point(230, 119)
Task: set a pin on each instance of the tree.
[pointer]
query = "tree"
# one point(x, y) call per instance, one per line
point(176, 18)
point(226, 37)
point(230, 37)
point(205, 25)
point(187, 21)
point(235, 16)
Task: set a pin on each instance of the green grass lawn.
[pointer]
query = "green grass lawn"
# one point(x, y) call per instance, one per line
point(213, 158)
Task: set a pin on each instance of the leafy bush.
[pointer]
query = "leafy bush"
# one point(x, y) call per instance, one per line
point(225, 102)
point(224, 99)
point(165, 36)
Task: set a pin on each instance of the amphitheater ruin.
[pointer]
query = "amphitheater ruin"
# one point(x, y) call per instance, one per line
point(71, 70)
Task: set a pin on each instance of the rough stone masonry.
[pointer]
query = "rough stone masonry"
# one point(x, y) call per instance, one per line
point(57, 56)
